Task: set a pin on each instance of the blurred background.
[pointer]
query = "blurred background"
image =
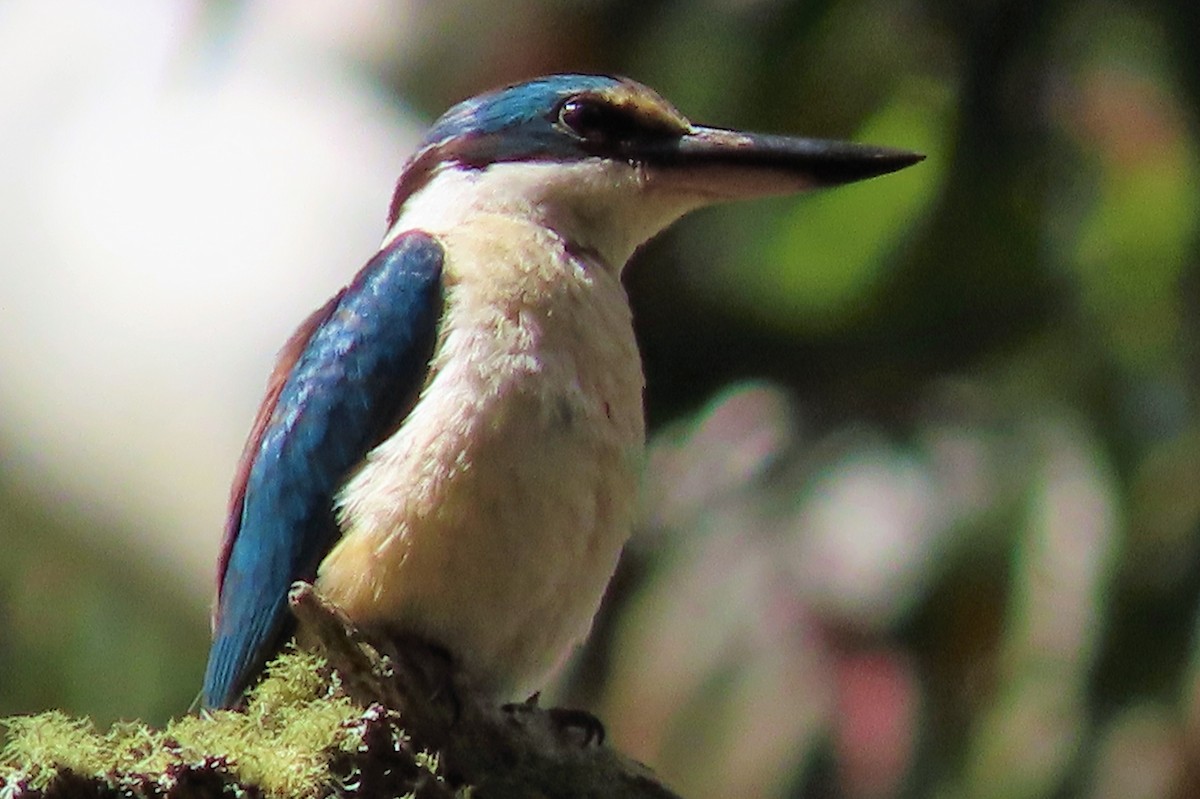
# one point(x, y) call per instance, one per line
point(923, 500)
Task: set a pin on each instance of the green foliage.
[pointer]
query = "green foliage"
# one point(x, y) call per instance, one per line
point(831, 250)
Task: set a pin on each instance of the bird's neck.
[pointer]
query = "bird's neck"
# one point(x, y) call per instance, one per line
point(594, 207)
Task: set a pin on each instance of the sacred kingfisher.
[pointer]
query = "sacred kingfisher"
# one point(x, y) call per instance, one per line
point(450, 446)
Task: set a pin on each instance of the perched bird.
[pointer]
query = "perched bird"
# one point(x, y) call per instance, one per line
point(450, 446)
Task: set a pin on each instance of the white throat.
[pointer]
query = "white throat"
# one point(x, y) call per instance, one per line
point(606, 207)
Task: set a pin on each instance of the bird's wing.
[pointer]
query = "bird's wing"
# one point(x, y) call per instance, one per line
point(340, 386)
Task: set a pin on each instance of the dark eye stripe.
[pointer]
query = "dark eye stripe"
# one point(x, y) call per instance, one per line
point(599, 122)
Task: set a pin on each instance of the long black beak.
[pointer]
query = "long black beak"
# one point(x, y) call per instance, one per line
point(729, 164)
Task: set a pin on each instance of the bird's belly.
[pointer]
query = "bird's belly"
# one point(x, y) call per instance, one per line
point(492, 521)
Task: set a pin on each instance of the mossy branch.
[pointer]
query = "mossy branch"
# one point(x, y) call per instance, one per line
point(350, 715)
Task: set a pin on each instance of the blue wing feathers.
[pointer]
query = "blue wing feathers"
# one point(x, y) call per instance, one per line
point(284, 364)
point(354, 372)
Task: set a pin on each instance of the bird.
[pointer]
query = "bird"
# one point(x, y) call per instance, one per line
point(450, 447)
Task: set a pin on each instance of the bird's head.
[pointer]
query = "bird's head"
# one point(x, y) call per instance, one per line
point(606, 162)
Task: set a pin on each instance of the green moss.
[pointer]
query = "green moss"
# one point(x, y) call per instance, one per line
point(294, 724)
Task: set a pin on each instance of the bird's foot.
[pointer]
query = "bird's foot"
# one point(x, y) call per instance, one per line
point(528, 705)
point(578, 726)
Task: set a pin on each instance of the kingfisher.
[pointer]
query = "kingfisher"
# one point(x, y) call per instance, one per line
point(450, 446)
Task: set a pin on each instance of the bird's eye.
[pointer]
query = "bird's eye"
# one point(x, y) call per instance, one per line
point(597, 122)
